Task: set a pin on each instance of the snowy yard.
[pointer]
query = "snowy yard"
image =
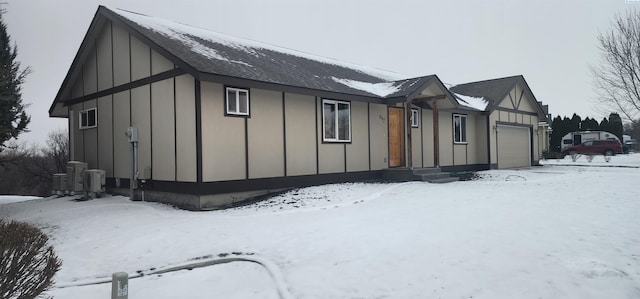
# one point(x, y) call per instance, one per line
point(563, 230)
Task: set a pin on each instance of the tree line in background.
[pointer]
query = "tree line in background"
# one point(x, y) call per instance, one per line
point(27, 262)
point(562, 125)
point(29, 170)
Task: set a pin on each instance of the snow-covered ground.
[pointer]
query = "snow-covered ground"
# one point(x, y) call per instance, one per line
point(15, 198)
point(563, 230)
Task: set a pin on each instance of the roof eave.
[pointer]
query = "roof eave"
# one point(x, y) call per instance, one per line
point(103, 14)
point(98, 20)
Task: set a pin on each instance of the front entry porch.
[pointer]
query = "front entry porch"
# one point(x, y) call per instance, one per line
point(431, 175)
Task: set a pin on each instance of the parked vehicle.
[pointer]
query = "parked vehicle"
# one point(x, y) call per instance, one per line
point(630, 145)
point(595, 147)
point(576, 138)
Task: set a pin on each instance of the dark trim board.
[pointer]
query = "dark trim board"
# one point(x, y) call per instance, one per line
point(111, 182)
point(460, 168)
point(284, 131)
point(227, 80)
point(127, 86)
point(286, 182)
point(198, 99)
point(223, 187)
point(317, 136)
point(369, 133)
point(502, 123)
point(515, 111)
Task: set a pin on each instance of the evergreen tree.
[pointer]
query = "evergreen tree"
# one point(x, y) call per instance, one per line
point(13, 118)
point(589, 124)
point(604, 125)
point(557, 131)
point(615, 125)
point(574, 124)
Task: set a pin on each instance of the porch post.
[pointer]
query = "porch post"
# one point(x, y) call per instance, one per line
point(436, 137)
point(409, 160)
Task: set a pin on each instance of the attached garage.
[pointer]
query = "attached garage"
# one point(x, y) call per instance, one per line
point(514, 146)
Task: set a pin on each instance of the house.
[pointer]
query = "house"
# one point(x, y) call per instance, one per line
point(221, 118)
point(518, 125)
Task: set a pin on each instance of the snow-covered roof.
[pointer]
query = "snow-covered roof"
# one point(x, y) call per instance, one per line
point(209, 55)
point(478, 103)
point(216, 53)
point(490, 93)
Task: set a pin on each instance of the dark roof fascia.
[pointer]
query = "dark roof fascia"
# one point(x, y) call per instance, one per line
point(423, 105)
point(89, 36)
point(132, 28)
point(394, 100)
point(447, 92)
point(527, 90)
point(505, 93)
point(464, 109)
point(541, 112)
point(102, 15)
point(525, 85)
point(420, 87)
point(493, 102)
point(250, 83)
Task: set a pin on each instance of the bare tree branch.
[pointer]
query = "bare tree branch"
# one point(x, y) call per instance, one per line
point(617, 77)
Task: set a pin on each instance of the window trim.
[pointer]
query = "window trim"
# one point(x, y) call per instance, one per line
point(335, 140)
point(415, 118)
point(237, 91)
point(86, 112)
point(462, 129)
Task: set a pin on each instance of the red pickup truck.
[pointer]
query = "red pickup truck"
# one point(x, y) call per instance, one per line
point(596, 147)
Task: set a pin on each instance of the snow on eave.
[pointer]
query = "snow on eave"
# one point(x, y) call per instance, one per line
point(185, 34)
point(472, 102)
point(382, 89)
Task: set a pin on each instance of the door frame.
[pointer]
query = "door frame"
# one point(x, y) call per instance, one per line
point(401, 125)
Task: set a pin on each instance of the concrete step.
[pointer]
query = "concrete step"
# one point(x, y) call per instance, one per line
point(419, 171)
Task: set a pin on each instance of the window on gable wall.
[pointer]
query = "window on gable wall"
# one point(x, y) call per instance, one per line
point(459, 128)
point(88, 119)
point(336, 121)
point(237, 101)
point(415, 118)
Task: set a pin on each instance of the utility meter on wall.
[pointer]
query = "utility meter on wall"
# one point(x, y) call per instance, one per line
point(132, 134)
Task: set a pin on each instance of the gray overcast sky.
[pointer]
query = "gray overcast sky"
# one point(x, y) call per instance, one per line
point(551, 43)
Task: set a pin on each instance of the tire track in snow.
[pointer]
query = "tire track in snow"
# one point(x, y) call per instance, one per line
point(271, 268)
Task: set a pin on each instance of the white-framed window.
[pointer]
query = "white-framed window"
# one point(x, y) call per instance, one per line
point(415, 118)
point(336, 121)
point(459, 128)
point(237, 101)
point(88, 118)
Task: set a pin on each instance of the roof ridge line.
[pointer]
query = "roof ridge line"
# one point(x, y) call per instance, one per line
point(488, 80)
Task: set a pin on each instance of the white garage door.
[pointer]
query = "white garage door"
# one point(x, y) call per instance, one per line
point(514, 147)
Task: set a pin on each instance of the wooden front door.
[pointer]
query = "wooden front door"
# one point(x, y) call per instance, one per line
point(396, 134)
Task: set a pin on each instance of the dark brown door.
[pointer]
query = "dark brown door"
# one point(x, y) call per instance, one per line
point(396, 140)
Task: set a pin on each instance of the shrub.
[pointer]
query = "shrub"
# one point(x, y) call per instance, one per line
point(552, 155)
point(27, 264)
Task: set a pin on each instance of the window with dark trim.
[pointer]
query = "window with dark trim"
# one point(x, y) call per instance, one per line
point(459, 128)
point(336, 121)
point(415, 118)
point(88, 118)
point(237, 101)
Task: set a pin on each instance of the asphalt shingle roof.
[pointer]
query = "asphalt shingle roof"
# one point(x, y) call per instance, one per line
point(493, 90)
point(210, 52)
